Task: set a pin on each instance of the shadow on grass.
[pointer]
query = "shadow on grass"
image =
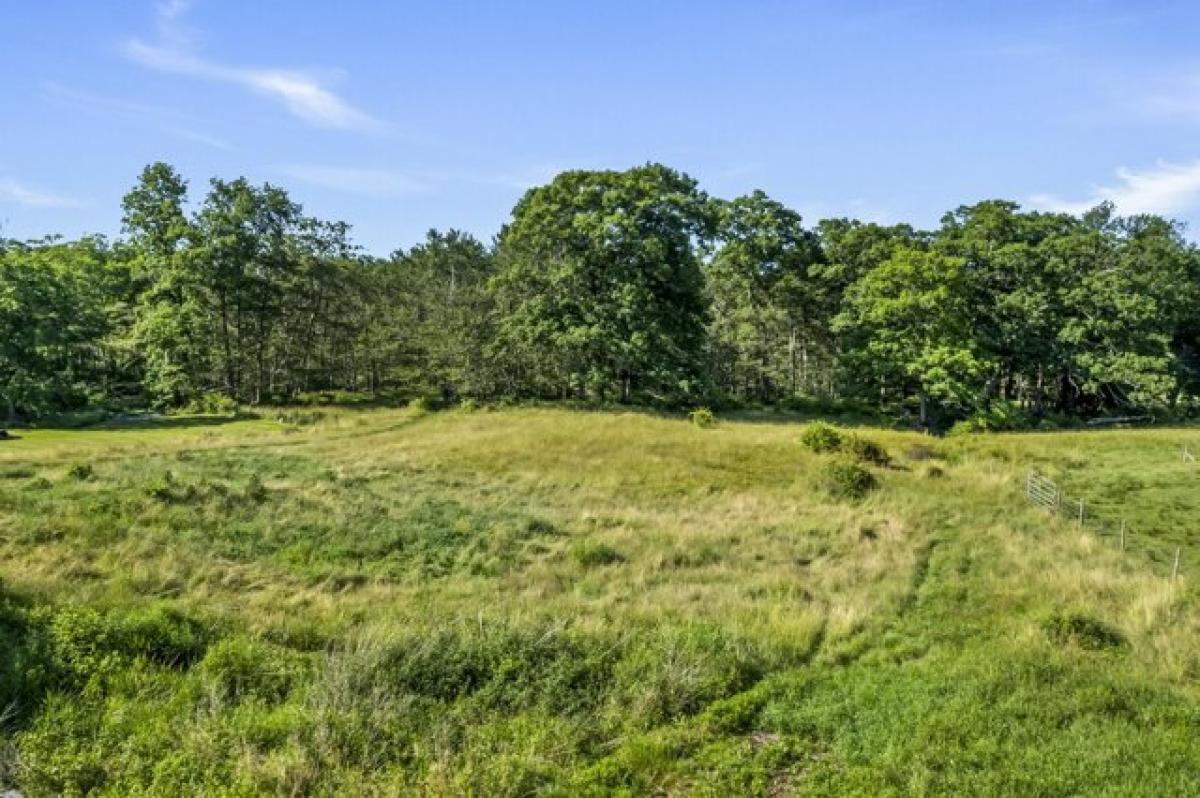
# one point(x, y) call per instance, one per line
point(147, 422)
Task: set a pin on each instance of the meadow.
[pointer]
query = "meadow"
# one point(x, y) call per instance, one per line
point(545, 601)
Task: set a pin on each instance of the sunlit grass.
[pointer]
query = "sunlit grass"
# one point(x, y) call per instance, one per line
point(532, 600)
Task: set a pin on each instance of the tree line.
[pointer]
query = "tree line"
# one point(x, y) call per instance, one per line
point(628, 286)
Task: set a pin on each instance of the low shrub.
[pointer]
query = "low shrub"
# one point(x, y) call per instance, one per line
point(17, 472)
point(213, 403)
point(702, 417)
point(821, 437)
point(844, 478)
point(998, 418)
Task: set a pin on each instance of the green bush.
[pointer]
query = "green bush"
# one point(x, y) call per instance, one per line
point(592, 553)
point(213, 403)
point(702, 417)
point(84, 643)
point(844, 478)
point(821, 437)
point(997, 418)
point(865, 450)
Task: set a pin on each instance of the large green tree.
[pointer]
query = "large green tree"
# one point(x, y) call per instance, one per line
point(600, 290)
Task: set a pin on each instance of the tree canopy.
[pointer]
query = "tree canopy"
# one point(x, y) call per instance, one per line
point(629, 286)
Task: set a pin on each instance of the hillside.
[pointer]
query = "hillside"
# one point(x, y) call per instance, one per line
point(544, 601)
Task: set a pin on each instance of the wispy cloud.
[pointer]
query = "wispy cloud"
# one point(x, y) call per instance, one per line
point(304, 95)
point(1165, 188)
point(349, 180)
point(21, 194)
point(168, 120)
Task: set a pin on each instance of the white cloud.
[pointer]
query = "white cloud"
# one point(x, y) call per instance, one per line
point(302, 94)
point(21, 194)
point(1165, 188)
point(366, 182)
point(166, 119)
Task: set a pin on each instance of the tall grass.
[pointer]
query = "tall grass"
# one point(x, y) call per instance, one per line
point(539, 601)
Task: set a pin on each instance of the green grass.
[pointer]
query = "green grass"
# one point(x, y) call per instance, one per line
point(539, 601)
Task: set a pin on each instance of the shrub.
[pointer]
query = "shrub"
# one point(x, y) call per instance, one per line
point(844, 478)
point(81, 471)
point(84, 643)
point(821, 437)
point(865, 450)
point(702, 417)
point(17, 472)
point(1082, 631)
point(213, 403)
point(998, 418)
point(591, 553)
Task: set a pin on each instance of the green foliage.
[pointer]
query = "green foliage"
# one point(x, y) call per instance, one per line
point(702, 417)
point(817, 436)
point(213, 403)
point(845, 478)
point(601, 288)
point(997, 418)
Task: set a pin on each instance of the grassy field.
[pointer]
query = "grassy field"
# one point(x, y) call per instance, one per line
point(539, 601)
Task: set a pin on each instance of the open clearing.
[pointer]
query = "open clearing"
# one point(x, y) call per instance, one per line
point(544, 601)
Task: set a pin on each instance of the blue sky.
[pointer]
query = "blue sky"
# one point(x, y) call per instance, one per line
point(402, 116)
